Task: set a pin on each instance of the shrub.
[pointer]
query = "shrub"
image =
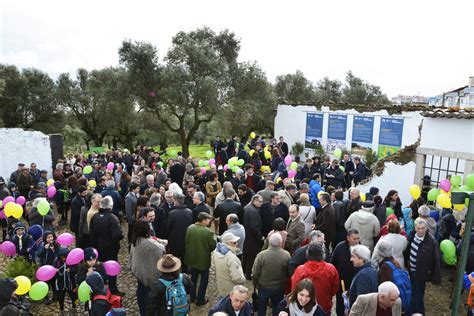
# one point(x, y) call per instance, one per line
point(370, 158)
point(20, 266)
point(297, 149)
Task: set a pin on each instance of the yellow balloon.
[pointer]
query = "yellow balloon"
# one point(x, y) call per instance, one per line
point(24, 285)
point(50, 182)
point(252, 135)
point(92, 183)
point(362, 196)
point(17, 210)
point(268, 155)
point(277, 179)
point(443, 200)
point(458, 207)
point(444, 192)
point(9, 209)
point(415, 191)
point(251, 152)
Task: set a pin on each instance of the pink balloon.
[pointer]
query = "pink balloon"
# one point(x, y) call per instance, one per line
point(65, 240)
point(291, 173)
point(226, 166)
point(212, 161)
point(288, 160)
point(8, 248)
point(51, 191)
point(2, 215)
point(203, 170)
point(46, 273)
point(7, 200)
point(75, 256)
point(21, 200)
point(112, 267)
point(110, 166)
point(445, 185)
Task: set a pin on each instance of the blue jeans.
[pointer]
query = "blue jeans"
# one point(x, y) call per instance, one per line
point(201, 295)
point(417, 304)
point(275, 296)
point(142, 297)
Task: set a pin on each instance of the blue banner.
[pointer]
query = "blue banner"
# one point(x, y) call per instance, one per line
point(314, 129)
point(391, 132)
point(337, 126)
point(363, 129)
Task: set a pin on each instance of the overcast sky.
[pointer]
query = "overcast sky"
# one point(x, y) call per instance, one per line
point(406, 47)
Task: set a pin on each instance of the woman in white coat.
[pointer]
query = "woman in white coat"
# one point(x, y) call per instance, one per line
point(397, 240)
point(307, 213)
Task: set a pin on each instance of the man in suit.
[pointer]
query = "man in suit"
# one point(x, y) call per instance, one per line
point(227, 207)
point(295, 229)
point(386, 301)
point(326, 219)
point(179, 219)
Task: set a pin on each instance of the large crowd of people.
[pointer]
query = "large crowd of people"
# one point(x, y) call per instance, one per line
point(300, 240)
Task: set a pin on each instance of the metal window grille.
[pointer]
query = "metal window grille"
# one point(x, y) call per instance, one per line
point(439, 168)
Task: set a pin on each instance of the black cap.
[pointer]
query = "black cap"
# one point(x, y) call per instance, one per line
point(368, 204)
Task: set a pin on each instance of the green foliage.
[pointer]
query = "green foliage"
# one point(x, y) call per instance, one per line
point(20, 266)
point(73, 137)
point(329, 90)
point(370, 158)
point(193, 84)
point(294, 88)
point(357, 91)
point(297, 149)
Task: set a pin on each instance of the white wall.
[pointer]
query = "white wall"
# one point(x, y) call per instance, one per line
point(452, 134)
point(290, 122)
point(395, 177)
point(17, 145)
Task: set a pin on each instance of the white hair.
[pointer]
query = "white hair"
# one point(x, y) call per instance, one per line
point(110, 183)
point(421, 222)
point(383, 249)
point(150, 177)
point(275, 240)
point(424, 210)
point(174, 188)
point(361, 252)
point(227, 185)
point(388, 287)
point(107, 203)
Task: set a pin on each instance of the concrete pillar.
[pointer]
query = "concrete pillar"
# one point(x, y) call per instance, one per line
point(419, 170)
point(468, 168)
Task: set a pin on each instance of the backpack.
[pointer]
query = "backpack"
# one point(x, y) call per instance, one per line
point(402, 280)
point(176, 297)
point(114, 301)
point(65, 195)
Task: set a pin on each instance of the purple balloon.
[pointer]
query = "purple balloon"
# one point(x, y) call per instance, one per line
point(21, 200)
point(2, 215)
point(445, 185)
point(8, 248)
point(46, 273)
point(51, 191)
point(65, 240)
point(288, 160)
point(7, 200)
point(75, 256)
point(110, 166)
point(212, 161)
point(112, 267)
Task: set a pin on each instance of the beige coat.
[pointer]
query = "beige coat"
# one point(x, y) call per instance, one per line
point(228, 271)
point(366, 305)
point(295, 235)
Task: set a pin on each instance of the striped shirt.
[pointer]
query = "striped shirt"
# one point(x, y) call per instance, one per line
point(415, 244)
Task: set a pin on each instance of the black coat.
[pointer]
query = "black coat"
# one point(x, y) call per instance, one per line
point(105, 234)
point(159, 225)
point(202, 207)
point(253, 230)
point(225, 305)
point(428, 264)
point(338, 177)
point(227, 207)
point(76, 205)
point(341, 259)
point(178, 222)
point(177, 173)
point(268, 214)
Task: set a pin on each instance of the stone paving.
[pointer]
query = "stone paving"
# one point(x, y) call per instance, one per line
point(436, 299)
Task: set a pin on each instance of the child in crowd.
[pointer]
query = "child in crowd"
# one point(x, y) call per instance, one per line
point(64, 281)
point(22, 240)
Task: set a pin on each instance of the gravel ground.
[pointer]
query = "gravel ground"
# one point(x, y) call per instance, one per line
point(437, 298)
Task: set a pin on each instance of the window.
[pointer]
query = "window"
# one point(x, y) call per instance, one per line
point(439, 168)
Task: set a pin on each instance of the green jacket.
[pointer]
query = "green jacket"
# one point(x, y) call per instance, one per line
point(199, 244)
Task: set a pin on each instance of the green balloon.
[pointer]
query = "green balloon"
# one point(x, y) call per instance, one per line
point(84, 292)
point(465, 188)
point(293, 165)
point(208, 154)
point(389, 211)
point(447, 248)
point(231, 164)
point(235, 168)
point(160, 163)
point(433, 194)
point(338, 153)
point(456, 180)
point(38, 291)
point(43, 207)
point(201, 163)
point(342, 168)
point(87, 170)
point(206, 163)
point(470, 181)
point(240, 162)
point(449, 260)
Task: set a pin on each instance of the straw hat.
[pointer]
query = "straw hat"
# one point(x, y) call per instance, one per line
point(168, 263)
